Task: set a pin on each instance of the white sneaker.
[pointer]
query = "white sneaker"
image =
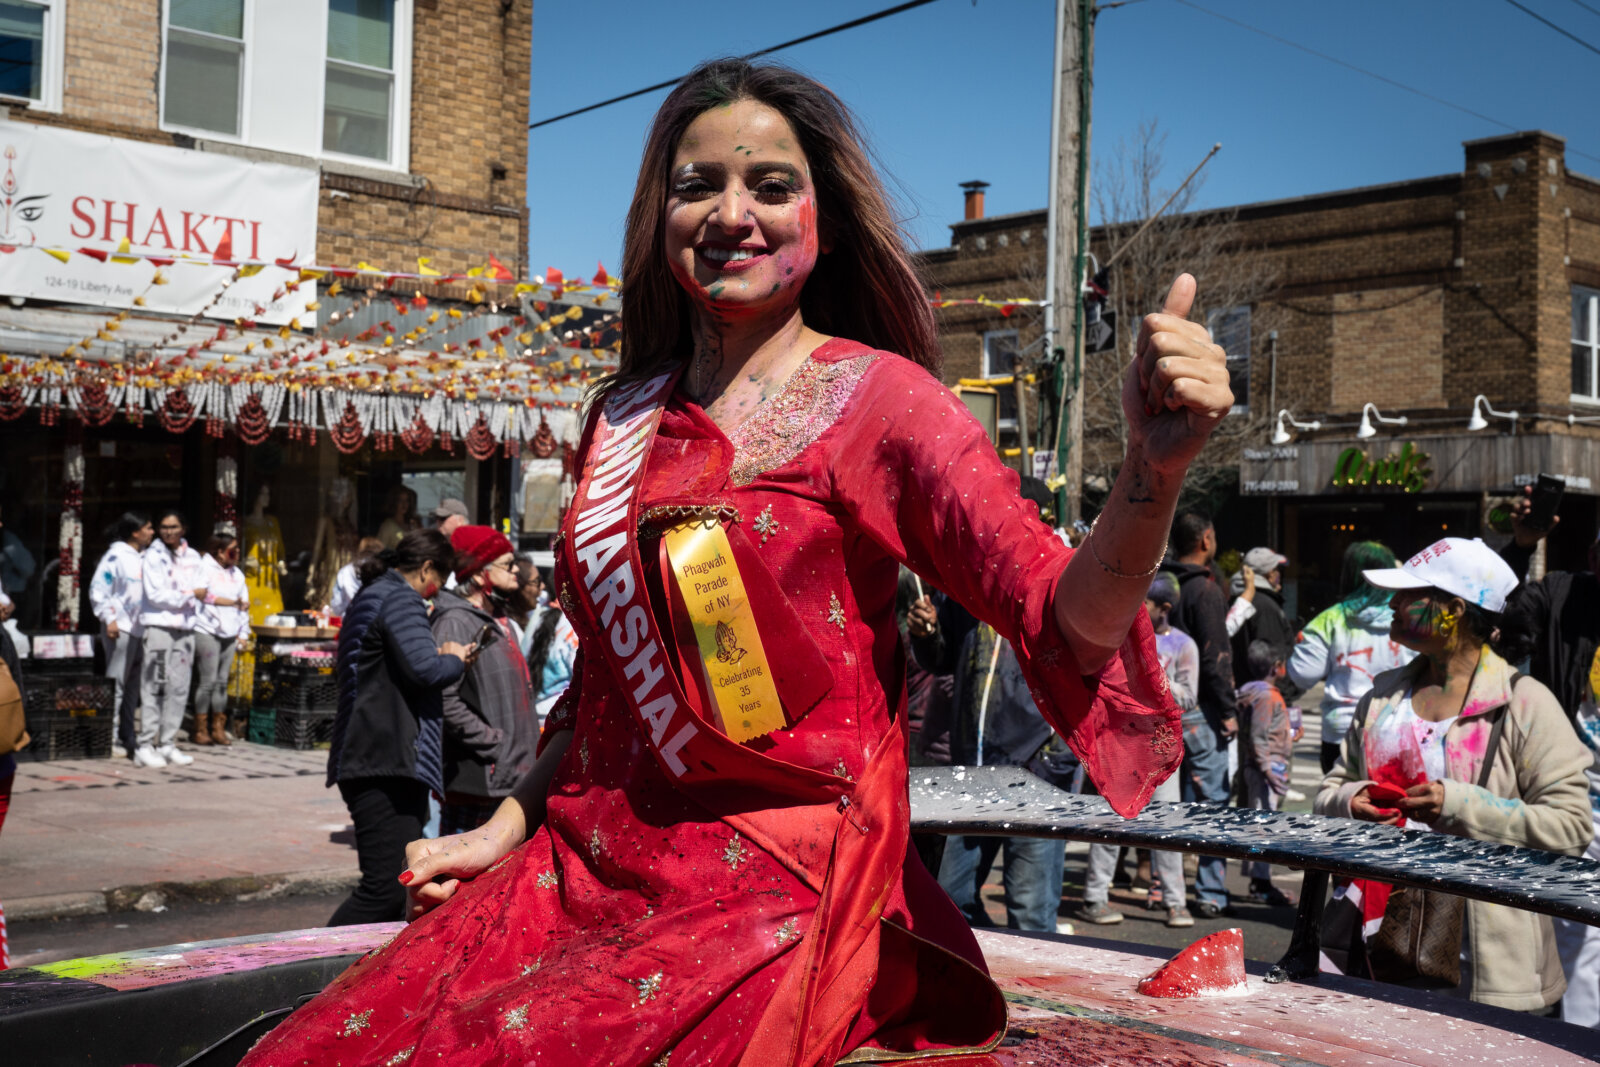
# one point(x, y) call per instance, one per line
point(145, 756)
point(117, 751)
point(171, 754)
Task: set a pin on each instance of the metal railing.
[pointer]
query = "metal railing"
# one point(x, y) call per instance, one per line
point(1011, 802)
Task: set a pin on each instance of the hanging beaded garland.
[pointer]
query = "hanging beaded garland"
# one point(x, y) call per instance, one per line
point(94, 405)
point(480, 441)
point(252, 421)
point(12, 403)
point(419, 436)
point(347, 433)
point(177, 412)
point(544, 442)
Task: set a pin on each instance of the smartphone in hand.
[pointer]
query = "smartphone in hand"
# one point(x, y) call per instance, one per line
point(1547, 493)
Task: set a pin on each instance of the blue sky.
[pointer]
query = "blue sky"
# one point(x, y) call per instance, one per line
point(959, 90)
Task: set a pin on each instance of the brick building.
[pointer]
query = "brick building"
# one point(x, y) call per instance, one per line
point(405, 122)
point(1417, 297)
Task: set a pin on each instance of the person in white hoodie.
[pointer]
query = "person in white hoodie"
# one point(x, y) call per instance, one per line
point(116, 595)
point(173, 592)
point(1348, 645)
point(222, 623)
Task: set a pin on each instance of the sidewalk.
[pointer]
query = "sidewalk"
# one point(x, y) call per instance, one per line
point(243, 822)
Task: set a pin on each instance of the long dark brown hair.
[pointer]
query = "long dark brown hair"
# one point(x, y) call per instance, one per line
point(867, 289)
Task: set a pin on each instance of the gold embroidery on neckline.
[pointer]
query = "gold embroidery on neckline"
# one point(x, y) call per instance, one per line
point(790, 422)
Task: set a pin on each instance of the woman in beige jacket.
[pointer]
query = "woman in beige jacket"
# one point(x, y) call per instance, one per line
point(1427, 727)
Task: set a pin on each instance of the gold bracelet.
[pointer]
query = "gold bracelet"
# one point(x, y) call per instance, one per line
point(1089, 540)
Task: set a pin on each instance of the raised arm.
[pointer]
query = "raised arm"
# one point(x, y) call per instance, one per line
point(1174, 393)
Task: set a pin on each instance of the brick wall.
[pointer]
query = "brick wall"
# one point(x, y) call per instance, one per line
point(1476, 270)
point(469, 118)
point(1387, 348)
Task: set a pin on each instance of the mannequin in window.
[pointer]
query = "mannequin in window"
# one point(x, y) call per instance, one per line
point(402, 518)
point(263, 557)
point(336, 542)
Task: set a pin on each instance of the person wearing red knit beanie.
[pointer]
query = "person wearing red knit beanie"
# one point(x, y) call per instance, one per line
point(490, 729)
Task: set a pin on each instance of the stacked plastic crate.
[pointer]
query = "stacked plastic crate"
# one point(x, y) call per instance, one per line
point(68, 709)
point(296, 696)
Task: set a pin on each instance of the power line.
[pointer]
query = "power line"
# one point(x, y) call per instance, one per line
point(1367, 73)
point(852, 24)
point(1569, 36)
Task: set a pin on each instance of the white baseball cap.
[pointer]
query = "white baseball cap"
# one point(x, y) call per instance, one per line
point(1470, 570)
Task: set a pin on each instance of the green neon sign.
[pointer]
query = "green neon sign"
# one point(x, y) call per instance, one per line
point(1407, 470)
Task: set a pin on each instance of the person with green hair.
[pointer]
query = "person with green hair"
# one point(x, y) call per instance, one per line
point(1348, 645)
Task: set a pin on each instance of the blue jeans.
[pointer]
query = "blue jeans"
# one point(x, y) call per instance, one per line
point(1205, 780)
point(1032, 877)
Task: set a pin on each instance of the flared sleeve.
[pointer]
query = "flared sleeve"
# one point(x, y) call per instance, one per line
point(919, 475)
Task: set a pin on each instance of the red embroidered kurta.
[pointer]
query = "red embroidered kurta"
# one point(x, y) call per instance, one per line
point(755, 922)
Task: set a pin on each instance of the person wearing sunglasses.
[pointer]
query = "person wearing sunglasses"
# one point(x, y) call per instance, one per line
point(221, 624)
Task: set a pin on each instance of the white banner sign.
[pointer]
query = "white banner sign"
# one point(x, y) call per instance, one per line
point(67, 191)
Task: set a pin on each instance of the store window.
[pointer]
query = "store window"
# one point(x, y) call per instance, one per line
point(358, 105)
point(1585, 344)
point(203, 69)
point(30, 52)
point(1230, 328)
point(999, 353)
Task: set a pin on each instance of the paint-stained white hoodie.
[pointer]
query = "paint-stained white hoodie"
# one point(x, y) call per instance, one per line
point(117, 591)
point(169, 583)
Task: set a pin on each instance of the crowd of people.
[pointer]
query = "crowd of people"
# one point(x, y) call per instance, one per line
point(1425, 723)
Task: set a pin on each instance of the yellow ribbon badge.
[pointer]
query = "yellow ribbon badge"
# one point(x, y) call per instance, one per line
point(736, 665)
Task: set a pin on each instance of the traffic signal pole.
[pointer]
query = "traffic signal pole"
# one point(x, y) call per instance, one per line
point(1068, 243)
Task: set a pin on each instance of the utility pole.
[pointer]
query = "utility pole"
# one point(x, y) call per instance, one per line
point(1068, 241)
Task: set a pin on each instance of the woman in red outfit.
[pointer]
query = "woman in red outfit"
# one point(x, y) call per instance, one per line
point(709, 863)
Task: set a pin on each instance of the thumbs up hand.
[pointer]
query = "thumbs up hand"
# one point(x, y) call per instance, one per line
point(1176, 390)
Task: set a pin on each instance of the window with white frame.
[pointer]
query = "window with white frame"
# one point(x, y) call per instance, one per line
point(358, 103)
point(204, 74)
point(999, 353)
point(1230, 330)
point(31, 51)
point(1585, 344)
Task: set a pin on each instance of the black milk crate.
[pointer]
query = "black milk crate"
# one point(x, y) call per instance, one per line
point(296, 682)
point(304, 729)
point(65, 736)
point(48, 694)
point(69, 666)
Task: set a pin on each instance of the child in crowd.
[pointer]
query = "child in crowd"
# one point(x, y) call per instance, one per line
point(1180, 659)
point(1265, 724)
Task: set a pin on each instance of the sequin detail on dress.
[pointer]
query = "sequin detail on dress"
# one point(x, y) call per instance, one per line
point(400, 1057)
point(790, 422)
point(516, 1018)
point(735, 854)
point(836, 611)
point(649, 986)
point(788, 931)
point(766, 525)
point(357, 1023)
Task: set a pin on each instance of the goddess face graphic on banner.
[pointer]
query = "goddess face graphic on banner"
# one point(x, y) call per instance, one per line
point(88, 219)
point(19, 211)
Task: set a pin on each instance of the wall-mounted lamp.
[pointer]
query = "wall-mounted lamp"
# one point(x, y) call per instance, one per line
point(1281, 436)
point(1369, 412)
point(1480, 408)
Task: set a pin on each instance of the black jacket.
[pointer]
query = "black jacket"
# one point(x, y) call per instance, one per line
point(1202, 613)
point(490, 730)
point(1556, 623)
point(1268, 624)
point(391, 677)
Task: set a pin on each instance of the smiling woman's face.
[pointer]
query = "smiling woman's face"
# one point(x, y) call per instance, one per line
point(741, 232)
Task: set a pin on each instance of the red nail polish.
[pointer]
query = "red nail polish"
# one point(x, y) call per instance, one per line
point(406, 877)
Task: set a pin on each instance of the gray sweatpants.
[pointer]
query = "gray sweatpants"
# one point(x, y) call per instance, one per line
point(164, 684)
point(1167, 867)
point(215, 655)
